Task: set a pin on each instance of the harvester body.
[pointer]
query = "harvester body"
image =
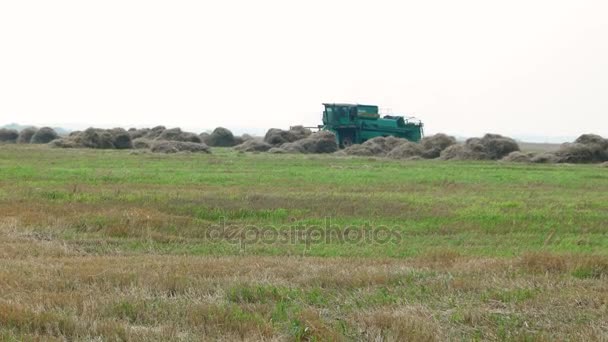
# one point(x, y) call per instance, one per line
point(356, 123)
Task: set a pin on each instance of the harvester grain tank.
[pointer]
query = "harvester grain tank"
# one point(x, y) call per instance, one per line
point(356, 123)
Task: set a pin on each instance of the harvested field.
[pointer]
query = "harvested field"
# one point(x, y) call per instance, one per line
point(109, 245)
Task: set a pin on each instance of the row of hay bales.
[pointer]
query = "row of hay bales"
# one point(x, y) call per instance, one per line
point(301, 140)
point(29, 135)
point(588, 148)
point(157, 139)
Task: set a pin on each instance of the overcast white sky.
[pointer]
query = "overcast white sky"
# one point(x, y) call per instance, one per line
point(463, 67)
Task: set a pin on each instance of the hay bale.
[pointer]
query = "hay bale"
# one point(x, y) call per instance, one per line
point(253, 145)
point(44, 136)
point(378, 146)
point(320, 142)
point(592, 139)
point(142, 143)
point(25, 136)
point(406, 150)
point(489, 147)
point(276, 136)
point(165, 146)
point(496, 146)
point(604, 164)
point(8, 135)
point(176, 134)
point(88, 138)
point(221, 137)
point(386, 144)
point(64, 143)
point(519, 157)
point(597, 144)
point(433, 145)
point(463, 152)
point(576, 153)
point(115, 138)
point(121, 139)
point(588, 148)
point(106, 140)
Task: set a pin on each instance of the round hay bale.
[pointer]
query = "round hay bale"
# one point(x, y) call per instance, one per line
point(575, 153)
point(597, 145)
point(320, 142)
point(519, 157)
point(176, 134)
point(88, 138)
point(221, 137)
point(463, 152)
point(386, 144)
point(121, 139)
point(276, 136)
point(604, 164)
point(253, 145)
point(106, 140)
point(592, 139)
point(434, 144)
point(378, 146)
point(26, 134)
point(164, 146)
point(142, 143)
point(8, 135)
point(489, 147)
point(44, 136)
point(171, 134)
point(405, 151)
point(496, 146)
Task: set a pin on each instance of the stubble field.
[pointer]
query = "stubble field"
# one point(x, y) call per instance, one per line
point(112, 245)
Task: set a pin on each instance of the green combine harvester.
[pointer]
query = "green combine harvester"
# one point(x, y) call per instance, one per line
point(356, 123)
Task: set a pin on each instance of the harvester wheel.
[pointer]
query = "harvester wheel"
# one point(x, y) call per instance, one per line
point(347, 141)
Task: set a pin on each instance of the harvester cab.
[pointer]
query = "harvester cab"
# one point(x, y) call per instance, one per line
point(356, 123)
